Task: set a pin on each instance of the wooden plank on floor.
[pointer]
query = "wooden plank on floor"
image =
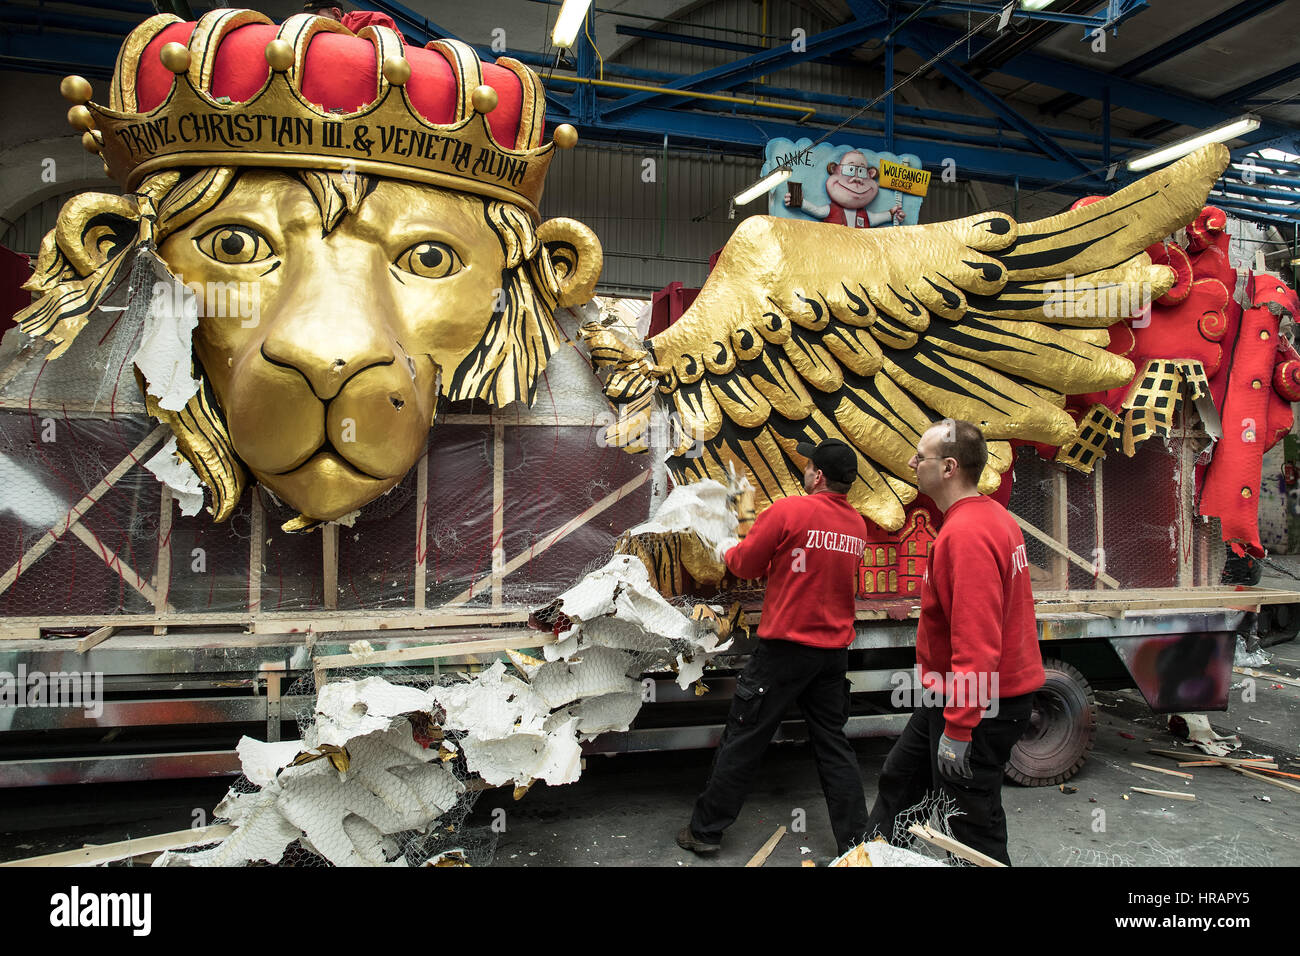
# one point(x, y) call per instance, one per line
point(759, 858)
point(90, 855)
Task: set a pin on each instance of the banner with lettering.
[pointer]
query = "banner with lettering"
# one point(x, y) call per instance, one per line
point(843, 184)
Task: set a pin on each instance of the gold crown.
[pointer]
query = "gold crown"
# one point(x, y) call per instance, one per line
point(278, 126)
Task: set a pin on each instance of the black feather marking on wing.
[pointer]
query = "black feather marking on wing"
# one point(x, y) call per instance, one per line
point(909, 362)
point(1058, 254)
point(950, 298)
point(1027, 237)
point(911, 307)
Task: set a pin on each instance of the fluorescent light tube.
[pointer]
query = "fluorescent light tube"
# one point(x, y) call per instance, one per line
point(764, 185)
point(569, 22)
point(1216, 134)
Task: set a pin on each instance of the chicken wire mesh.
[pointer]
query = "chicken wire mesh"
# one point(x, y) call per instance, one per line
point(1131, 524)
point(83, 530)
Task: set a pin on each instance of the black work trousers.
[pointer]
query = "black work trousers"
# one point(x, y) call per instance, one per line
point(911, 772)
point(781, 673)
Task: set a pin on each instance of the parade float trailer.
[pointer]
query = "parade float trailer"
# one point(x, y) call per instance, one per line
point(129, 399)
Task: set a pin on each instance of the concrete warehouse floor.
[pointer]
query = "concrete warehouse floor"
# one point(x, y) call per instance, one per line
point(626, 809)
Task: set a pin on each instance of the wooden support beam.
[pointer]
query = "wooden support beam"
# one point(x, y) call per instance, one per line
point(1060, 516)
point(97, 637)
point(329, 537)
point(421, 528)
point(498, 511)
point(90, 855)
point(72, 519)
point(1063, 553)
point(164, 562)
point(427, 652)
point(114, 561)
point(1099, 519)
point(555, 536)
point(256, 549)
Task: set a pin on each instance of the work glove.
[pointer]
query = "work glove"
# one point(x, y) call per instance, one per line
point(954, 758)
point(725, 545)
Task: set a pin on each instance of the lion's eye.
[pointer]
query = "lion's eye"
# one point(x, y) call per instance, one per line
point(432, 260)
point(235, 245)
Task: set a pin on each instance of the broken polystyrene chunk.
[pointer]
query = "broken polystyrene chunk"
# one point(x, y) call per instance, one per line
point(178, 475)
point(165, 357)
point(699, 507)
point(492, 705)
point(554, 756)
point(608, 712)
point(601, 670)
point(261, 761)
point(348, 709)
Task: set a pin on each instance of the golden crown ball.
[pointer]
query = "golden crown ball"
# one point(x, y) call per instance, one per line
point(566, 137)
point(279, 54)
point(76, 89)
point(484, 98)
point(175, 56)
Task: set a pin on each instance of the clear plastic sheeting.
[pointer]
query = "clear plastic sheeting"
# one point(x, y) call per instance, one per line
point(511, 504)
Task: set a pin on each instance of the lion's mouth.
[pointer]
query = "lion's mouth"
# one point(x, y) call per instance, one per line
point(327, 453)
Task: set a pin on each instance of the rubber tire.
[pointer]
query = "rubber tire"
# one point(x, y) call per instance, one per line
point(1061, 731)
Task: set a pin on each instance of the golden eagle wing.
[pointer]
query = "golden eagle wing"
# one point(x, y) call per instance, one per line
point(806, 331)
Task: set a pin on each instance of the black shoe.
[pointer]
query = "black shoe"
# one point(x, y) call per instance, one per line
point(688, 841)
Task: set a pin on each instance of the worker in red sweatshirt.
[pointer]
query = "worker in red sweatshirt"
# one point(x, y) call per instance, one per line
point(808, 547)
point(976, 651)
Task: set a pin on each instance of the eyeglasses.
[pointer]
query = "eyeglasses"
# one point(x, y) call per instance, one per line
point(856, 172)
point(931, 457)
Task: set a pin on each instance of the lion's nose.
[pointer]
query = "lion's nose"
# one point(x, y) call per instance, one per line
point(328, 349)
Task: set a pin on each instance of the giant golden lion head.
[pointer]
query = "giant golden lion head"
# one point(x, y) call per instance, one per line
point(335, 305)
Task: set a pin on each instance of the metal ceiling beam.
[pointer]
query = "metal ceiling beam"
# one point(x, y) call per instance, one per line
point(1234, 98)
point(1125, 9)
point(1240, 13)
point(1129, 94)
point(918, 42)
point(717, 129)
point(760, 64)
point(53, 51)
point(1011, 44)
point(828, 99)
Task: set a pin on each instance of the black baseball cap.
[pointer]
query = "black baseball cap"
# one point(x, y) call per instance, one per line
point(833, 458)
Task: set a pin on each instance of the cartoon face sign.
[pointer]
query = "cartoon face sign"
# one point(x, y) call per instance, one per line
point(852, 182)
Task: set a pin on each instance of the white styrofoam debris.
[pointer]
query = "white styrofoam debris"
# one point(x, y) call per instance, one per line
point(601, 670)
point(261, 761)
point(700, 506)
point(493, 705)
point(565, 646)
point(348, 709)
point(555, 757)
point(605, 713)
point(178, 475)
point(165, 356)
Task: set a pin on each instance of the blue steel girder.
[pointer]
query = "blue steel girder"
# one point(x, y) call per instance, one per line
point(1117, 11)
point(1240, 13)
point(919, 43)
point(768, 91)
point(973, 162)
point(53, 51)
point(1128, 94)
point(760, 64)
